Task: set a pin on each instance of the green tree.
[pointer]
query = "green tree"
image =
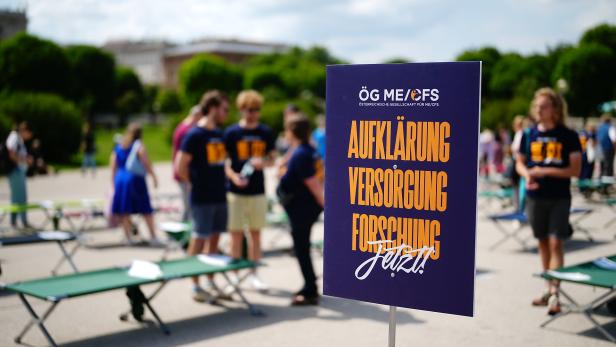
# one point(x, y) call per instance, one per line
point(150, 94)
point(168, 101)
point(92, 85)
point(604, 34)
point(397, 60)
point(517, 75)
point(53, 120)
point(128, 93)
point(489, 56)
point(590, 71)
point(28, 63)
point(204, 72)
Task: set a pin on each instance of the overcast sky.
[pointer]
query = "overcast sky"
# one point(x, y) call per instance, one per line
point(361, 31)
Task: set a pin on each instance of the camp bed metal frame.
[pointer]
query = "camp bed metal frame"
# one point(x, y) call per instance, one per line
point(67, 255)
point(611, 205)
point(17, 208)
point(577, 215)
point(587, 309)
point(39, 319)
point(518, 217)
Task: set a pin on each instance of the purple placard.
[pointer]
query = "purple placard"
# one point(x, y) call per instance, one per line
point(401, 177)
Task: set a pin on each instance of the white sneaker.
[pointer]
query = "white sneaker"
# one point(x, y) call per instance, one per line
point(200, 295)
point(258, 284)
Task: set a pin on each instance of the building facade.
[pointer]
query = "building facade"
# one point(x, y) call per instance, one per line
point(158, 62)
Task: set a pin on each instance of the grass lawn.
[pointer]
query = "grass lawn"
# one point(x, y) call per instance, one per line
point(155, 138)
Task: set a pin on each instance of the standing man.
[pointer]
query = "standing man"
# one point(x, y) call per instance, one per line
point(606, 136)
point(251, 148)
point(18, 166)
point(178, 135)
point(200, 163)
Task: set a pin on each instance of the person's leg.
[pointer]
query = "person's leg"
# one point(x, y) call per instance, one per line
point(236, 222)
point(237, 238)
point(185, 192)
point(196, 246)
point(300, 231)
point(539, 221)
point(149, 221)
point(15, 188)
point(254, 250)
point(557, 257)
point(126, 226)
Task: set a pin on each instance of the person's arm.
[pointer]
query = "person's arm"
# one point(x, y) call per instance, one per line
point(113, 166)
point(573, 170)
point(143, 158)
point(233, 176)
point(182, 160)
point(316, 188)
point(520, 165)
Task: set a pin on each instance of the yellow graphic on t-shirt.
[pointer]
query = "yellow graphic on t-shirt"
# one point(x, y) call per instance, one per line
point(216, 153)
point(250, 148)
point(547, 152)
point(319, 169)
point(583, 141)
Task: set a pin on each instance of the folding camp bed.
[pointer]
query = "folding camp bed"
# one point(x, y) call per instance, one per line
point(502, 195)
point(178, 234)
point(611, 204)
point(577, 215)
point(59, 237)
point(599, 273)
point(17, 208)
point(56, 289)
point(84, 210)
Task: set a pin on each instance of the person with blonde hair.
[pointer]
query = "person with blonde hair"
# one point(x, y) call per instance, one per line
point(550, 154)
point(251, 147)
point(129, 166)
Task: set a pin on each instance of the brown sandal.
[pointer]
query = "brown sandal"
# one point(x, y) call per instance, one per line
point(542, 300)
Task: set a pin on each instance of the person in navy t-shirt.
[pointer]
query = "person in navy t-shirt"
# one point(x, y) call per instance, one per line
point(200, 162)
point(251, 146)
point(550, 154)
point(301, 193)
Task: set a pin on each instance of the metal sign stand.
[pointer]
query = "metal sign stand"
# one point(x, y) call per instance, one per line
point(392, 327)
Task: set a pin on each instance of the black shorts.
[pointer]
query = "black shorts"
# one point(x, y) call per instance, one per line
point(549, 217)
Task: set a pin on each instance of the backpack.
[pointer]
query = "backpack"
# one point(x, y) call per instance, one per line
point(6, 163)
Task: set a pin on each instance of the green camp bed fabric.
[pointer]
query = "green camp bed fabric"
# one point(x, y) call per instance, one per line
point(84, 283)
point(598, 277)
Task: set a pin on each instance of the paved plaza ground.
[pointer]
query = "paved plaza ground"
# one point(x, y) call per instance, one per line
point(504, 289)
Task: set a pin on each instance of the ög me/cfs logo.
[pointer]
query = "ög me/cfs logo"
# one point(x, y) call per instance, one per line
point(399, 94)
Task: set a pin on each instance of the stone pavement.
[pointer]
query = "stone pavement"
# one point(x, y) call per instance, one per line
point(504, 288)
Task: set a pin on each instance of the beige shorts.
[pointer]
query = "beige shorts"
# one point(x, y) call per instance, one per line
point(246, 211)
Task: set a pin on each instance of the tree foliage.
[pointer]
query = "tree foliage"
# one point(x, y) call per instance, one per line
point(92, 84)
point(28, 63)
point(204, 72)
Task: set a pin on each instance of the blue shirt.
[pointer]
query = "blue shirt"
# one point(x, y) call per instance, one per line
point(243, 144)
point(603, 137)
point(550, 149)
point(207, 167)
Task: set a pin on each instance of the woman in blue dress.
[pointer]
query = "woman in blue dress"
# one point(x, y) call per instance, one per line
point(130, 194)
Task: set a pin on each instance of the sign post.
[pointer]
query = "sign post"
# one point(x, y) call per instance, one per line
point(392, 327)
point(401, 185)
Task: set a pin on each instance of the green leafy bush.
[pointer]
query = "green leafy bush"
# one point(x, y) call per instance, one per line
point(53, 120)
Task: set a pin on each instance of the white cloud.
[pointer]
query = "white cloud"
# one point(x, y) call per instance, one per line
point(356, 30)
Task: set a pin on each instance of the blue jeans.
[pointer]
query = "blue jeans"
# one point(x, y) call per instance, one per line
point(19, 194)
point(89, 161)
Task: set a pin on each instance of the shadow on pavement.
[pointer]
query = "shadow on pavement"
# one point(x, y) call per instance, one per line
point(238, 319)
